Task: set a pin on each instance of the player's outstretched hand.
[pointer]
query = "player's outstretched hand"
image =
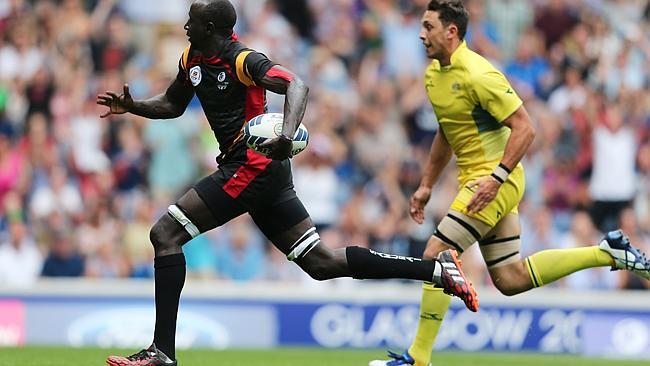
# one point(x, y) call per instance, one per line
point(418, 200)
point(485, 189)
point(117, 104)
point(279, 147)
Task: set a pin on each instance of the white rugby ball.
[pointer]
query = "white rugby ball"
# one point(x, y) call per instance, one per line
point(268, 126)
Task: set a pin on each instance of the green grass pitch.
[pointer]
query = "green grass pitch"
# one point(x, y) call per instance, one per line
point(44, 356)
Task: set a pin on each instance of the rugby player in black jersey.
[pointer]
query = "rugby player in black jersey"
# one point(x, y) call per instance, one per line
point(230, 81)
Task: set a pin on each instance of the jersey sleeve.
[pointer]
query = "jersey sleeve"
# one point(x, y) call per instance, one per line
point(495, 94)
point(251, 67)
point(182, 75)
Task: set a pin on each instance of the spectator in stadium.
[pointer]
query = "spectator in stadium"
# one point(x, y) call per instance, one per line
point(231, 81)
point(98, 228)
point(239, 252)
point(401, 52)
point(629, 223)
point(130, 159)
point(39, 93)
point(57, 194)
point(528, 70)
point(169, 149)
point(481, 34)
point(20, 259)
point(510, 18)
point(613, 180)
point(583, 232)
point(315, 177)
point(201, 257)
point(554, 20)
point(572, 94)
point(538, 230)
point(107, 261)
point(21, 58)
point(136, 240)
point(64, 259)
point(561, 185)
point(13, 172)
point(277, 268)
point(642, 201)
point(475, 104)
point(39, 148)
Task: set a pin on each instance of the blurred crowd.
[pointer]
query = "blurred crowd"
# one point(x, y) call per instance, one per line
point(78, 194)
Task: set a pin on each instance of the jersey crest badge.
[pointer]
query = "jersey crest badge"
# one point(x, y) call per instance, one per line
point(222, 82)
point(195, 75)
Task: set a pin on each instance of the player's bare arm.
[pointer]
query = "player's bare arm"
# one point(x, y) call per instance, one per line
point(439, 156)
point(170, 104)
point(282, 81)
point(521, 136)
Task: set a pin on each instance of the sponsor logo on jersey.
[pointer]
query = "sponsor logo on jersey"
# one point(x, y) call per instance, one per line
point(222, 83)
point(195, 75)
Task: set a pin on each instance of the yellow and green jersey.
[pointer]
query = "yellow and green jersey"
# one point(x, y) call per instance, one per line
point(471, 99)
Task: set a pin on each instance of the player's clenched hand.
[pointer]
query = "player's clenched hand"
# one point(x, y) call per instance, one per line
point(117, 104)
point(485, 189)
point(279, 148)
point(418, 200)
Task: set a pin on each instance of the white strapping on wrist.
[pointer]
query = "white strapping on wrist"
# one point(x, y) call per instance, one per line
point(501, 173)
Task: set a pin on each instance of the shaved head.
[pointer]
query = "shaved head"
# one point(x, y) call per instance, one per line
point(220, 12)
point(210, 21)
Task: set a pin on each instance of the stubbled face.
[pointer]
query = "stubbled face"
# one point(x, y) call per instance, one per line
point(195, 27)
point(432, 34)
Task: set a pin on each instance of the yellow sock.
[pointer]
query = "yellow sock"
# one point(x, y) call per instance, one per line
point(433, 308)
point(551, 265)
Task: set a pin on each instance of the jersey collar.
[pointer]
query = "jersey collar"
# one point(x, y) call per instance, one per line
point(455, 55)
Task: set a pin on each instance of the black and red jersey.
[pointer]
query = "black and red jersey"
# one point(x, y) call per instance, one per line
point(227, 87)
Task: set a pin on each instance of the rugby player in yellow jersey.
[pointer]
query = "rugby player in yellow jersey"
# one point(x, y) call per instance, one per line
point(484, 123)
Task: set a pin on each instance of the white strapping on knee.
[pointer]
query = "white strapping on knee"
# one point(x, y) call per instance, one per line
point(302, 246)
point(501, 246)
point(501, 251)
point(179, 216)
point(456, 233)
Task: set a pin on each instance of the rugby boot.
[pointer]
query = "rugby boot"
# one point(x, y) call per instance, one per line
point(627, 257)
point(453, 280)
point(151, 356)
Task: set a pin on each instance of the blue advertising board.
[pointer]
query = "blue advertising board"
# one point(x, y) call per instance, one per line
point(367, 326)
point(222, 323)
point(617, 334)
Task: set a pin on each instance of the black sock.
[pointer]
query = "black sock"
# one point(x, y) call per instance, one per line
point(170, 278)
point(368, 264)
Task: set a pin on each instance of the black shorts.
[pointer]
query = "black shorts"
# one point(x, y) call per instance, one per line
point(249, 182)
